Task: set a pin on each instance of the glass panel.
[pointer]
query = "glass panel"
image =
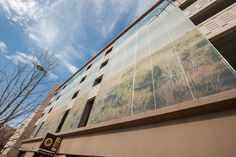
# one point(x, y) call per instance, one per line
point(161, 61)
point(125, 90)
point(205, 70)
point(51, 123)
point(106, 99)
point(116, 103)
point(98, 58)
point(79, 103)
point(124, 94)
point(143, 83)
point(73, 117)
point(169, 81)
point(36, 130)
point(115, 95)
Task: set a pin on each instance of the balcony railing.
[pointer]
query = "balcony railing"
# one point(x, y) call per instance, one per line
point(219, 23)
point(198, 6)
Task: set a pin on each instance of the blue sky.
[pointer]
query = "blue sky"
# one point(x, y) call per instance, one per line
point(74, 29)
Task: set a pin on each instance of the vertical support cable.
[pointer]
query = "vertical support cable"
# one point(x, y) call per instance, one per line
point(150, 51)
point(135, 60)
point(182, 69)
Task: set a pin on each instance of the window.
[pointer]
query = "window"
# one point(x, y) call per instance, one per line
point(39, 129)
point(104, 64)
point(56, 93)
point(50, 110)
point(87, 110)
point(64, 86)
point(82, 80)
point(34, 127)
point(21, 154)
point(97, 81)
point(108, 51)
point(62, 121)
point(49, 103)
point(75, 94)
point(89, 67)
point(58, 97)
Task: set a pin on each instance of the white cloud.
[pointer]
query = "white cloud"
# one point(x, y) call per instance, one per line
point(3, 47)
point(70, 67)
point(65, 26)
point(20, 57)
point(30, 59)
point(44, 34)
point(67, 64)
point(22, 11)
point(108, 12)
point(52, 76)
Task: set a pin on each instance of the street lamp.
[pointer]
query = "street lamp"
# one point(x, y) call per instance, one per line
point(40, 68)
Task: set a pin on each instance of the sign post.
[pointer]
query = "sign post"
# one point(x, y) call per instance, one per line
point(50, 144)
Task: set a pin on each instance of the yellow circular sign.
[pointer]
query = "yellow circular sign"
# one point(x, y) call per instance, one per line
point(48, 142)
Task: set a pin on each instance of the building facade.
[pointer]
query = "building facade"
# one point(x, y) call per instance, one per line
point(166, 86)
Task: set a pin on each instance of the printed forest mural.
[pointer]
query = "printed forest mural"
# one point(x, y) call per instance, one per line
point(174, 64)
point(163, 60)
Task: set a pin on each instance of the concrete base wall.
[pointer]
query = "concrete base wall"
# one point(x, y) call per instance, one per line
point(203, 127)
point(212, 135)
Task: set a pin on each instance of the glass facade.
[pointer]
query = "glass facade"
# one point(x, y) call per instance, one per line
point(162, 60)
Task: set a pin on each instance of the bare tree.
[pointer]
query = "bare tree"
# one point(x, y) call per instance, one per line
point(23, 89)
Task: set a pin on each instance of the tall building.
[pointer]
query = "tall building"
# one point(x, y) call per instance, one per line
point(165, 87)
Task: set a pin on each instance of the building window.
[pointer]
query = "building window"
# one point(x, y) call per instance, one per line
point(108, 51)
point(50, 110)
point(75, 94)
point(21, 154)
point(58, 97)
point(82, 80)
point(49, 103)
point(104, 64)
point(56, 93)
point(39, 129)
point(87, 110)
point(64, 86)
point(34, 129)
point(62, 121)
point(89, 67)
point(97, 81)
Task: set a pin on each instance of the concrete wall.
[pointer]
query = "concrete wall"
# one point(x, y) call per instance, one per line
point(211, 135)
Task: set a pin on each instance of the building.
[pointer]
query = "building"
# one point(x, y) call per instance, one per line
point(160, 88)
point(5, 135)
point(11, 149)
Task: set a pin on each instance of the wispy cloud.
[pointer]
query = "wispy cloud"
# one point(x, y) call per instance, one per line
point(68, 65)
point(22, 11)
point(74, 29)
point(21, 57)
point(52, 76)
point(3, 47)
point(30, 59)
